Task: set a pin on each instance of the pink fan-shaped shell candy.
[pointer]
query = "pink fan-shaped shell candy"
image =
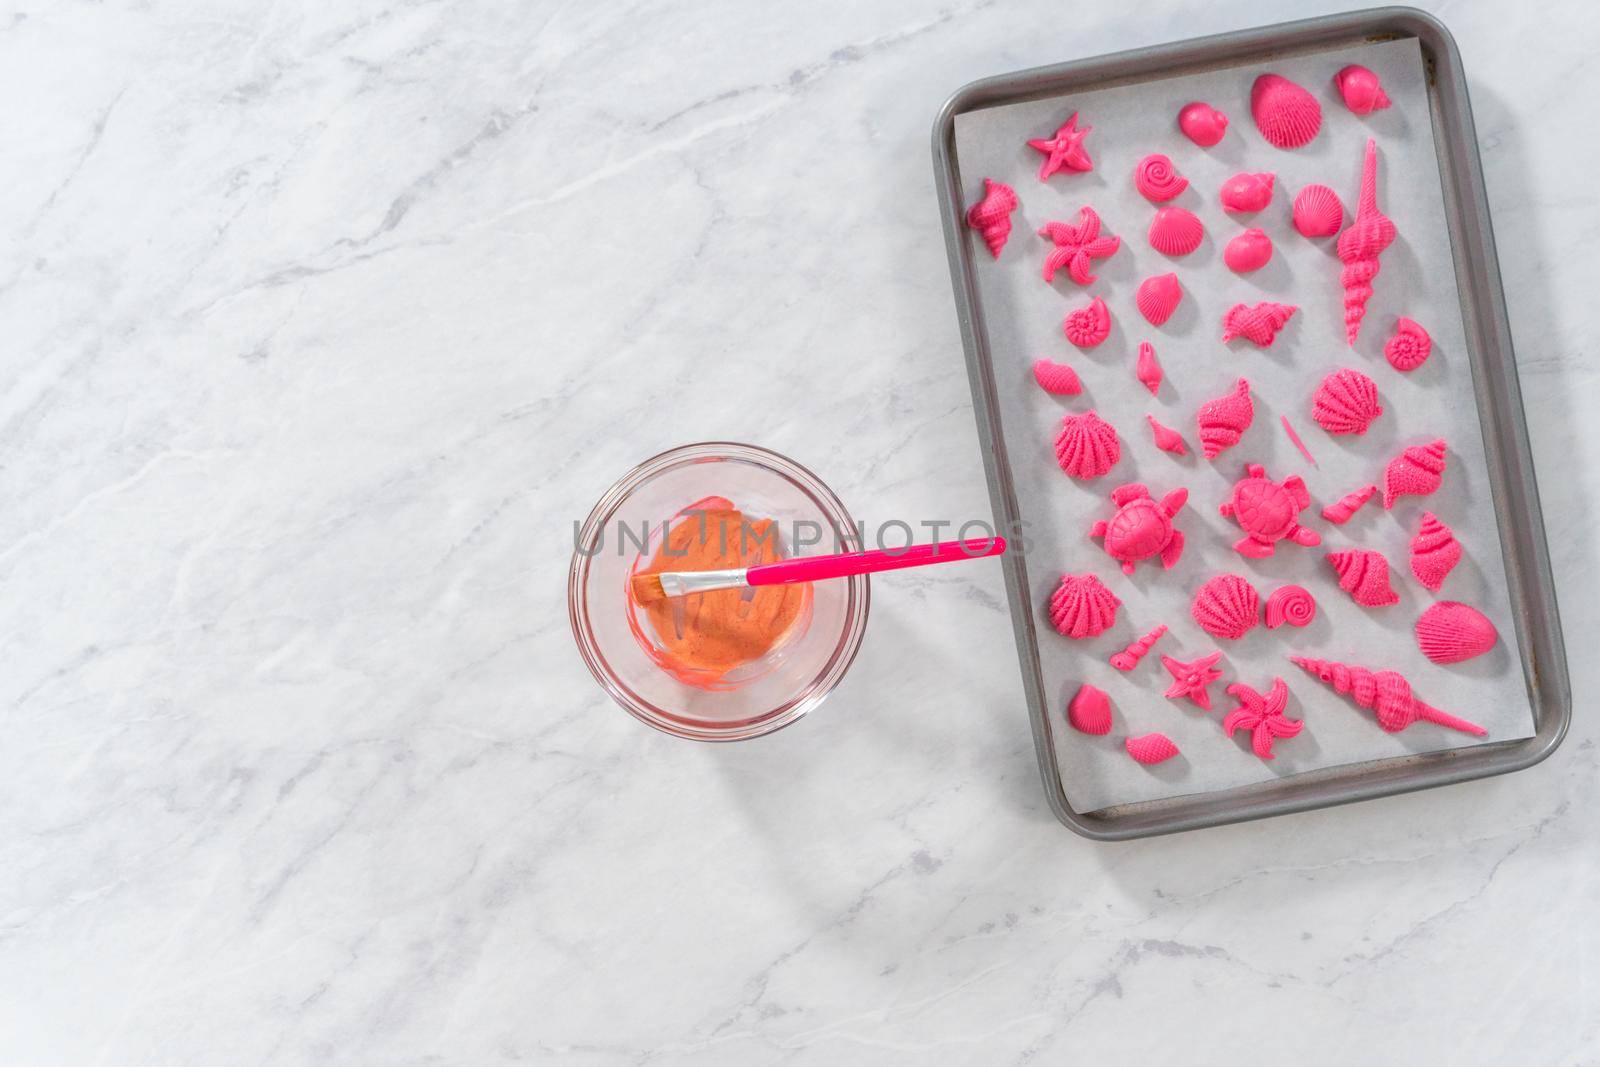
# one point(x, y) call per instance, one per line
point(1418, 471)
point(1247, 192)
point(1089, 711)
point(1088, 326)
point(1158, 298)
point(1317, 211)
point(1157, 179)
point(991, 216)
point(1227, 607)
point(1176, 231)
point(1364, 574)
point(1451, 632)
point(1167, 439)
point(1410, 346)
point(1362, 92)
point(1151, 748)
point(1057, 379)
point(1434, 552)
point(1202, 123)
point(1224, 420)
point(1148, 370)
point(1257, 323)
point(1249, 251)
point(1287, 115)
point(1083, 607)
point(1346, 402)
point(1087, 445)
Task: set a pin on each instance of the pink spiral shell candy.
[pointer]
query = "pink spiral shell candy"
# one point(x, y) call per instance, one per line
point(1361, 245)
point(1317, 211)
point(1151, 748)
point(1129, 658)
point(1224, 420)
point(1418, 471)
point(1064, 151)
point(1345, 508)
point(1087, 445)
point(1385, 693)
point(1286, 114)
point(991, 216)
point(1434, 552)
point(1290, 604)
point(1077, 247)
point(1167, 439)
point(1089, 711)
point(1057, 379)
point(1176, 231)
point(1082, 606)
point(1226, 607)
point(1202, 123)
point(1247, 192)
point(1362, 92)
point(1250, 250)
point(1157, 179)
point(1346, 402)
point(1410, 346)
point(1364, 574)
point(1257, 323)
point(1452, 632)
point(1088, 325)
point(1158, 298)
point(1148, 370)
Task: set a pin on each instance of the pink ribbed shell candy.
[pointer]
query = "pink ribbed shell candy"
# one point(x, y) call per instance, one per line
point(1176, 231)
point(991, 216)
point(1451, 632)
point(1089, 325)
point(1410, 346)
point(1087, 445)
point(1227, 607)
point(1057, 379)
point(1257, 323)
point(1077, 247)
point(1362, 92)
point(1250, 250)
point(1158, 298)
point(1317, 211)
point(1247, 192)
point(1364, 574)
point(1224, 420)
point(1290, 604)
point(1089, 711)
point(1434, 551)
point(1202, 123)
point(1346, 402)
point(1345, 508)
point(1418, 471)
point(1361, 245)
point(1148, 369)
point(1385, 693)
point(1082, 606)
point(1151, 748)
point(1157, 179)
point(1286, 114)
point(1167, 439)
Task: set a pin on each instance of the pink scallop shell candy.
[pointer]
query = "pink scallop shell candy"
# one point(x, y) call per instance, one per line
point(1167, 439)
point(1452, 632)
point(1364, 574)
point(1158, 298)
point(1410, 346)
point(1287, 115)
point(1057, 379)
point(1317, 211)
point(1147, 370)
point(1363, 93)
point(1247, 192)
point(1227, 607)
point(1290, 604)
point(1249, 251)
point(1087, 446)
point(1434, 551)
point(1089, 325)
point(1418, 471)
point(1082, 607)
point(1202, 123)
point(1157, 179)
point(1151, 748)
point(1089, 711)
point(1346, 402)
point(1176, 231)
point(1257, 323)
point(991, 216)
point(1345, 508)
point(1224, 420)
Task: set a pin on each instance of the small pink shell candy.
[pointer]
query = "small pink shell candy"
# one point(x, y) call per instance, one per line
point(1434, 551)
point(1057, 379)
point(1147, 370)
point(1249, 251)
point(1082, 606)
point(1167, 439)
point(1202, 123)
point(1451, 632)
point(1345, 508)
point(1176, 231)
point(991, 216)
point(1158, 297)
point(1226, 607)
point(1364, 574)
point(1418, 471)
point(1410, 346)
point(1247, 192)
point(1287, 115)
point(1087, 445)
point(1089, 711)
point(1257, 323)
point(1363, 93)
point(1290, 604)
point(1129, 657)
point(1346, 402)
point(1224, 419)
point(1317, 211)
point(1088, 326)
point(1157, 179)
point(1151, 748)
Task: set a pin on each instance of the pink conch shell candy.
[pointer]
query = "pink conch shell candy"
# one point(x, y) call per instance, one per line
point(1451, 632)
point(1341, 511)
point(1176, 231)
point(1364, 574)
point(1057, 379)
point(1089, 711)
point(1087, 446)
point(1363, 93)
point(1434, 552)
point(1076, 247)
point(1129, 658)
point(1417, 471)
point(1360, 246)
point(1142, 527)
point(1157, 179)
point(1249, 251)
point(1346, 402)
point(1167, 439)
point(1261, 714)
point(1290, 604)
point(1202, 123)
point(1089, 325)
point(1151, 748)
point(1082, 606)
point(1385, 693)
point(1192, 679)
point(1065, 150)
point(1158, 298)
point(1286, 114)
point(1410, 346)
point(1247, 192)
point(991, 216)
point(1226, 607)
point(1147, 370)
point(1257, 323)
point(1224, 420)
point(1268, 512)
point(1317, 212)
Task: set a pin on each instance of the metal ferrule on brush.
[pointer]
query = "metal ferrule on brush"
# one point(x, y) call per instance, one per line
point(686, 582)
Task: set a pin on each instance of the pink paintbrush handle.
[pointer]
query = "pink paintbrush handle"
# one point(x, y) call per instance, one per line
point(815, 568)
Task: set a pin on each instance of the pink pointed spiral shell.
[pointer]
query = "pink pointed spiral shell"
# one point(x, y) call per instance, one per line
point(1286, 114)
point(1452, 632)
point(1360, 246)
point(1250, 250)
point(1341, 512)
point(1158, 298)
point(1317, 211)
point(1224, 420)
point(1385, 693)
point(1176, 231)
point(1410, 346)
point(1290, 604)
point(1418, 471)
point(991, 216)
point(1151, 748)
point(1226, 607)
point(1346, 402)
point(1089, 711)
point(1167, 439)
point(1257, 323)
point(1364, 574)
point(1247, 192)
point(1129, 658)
point(1082, 606)
point(1362, 92)
point(1148, 370)
point(1057, 379)
point(1087, 445)
point(1088, 326)
point(1157, 179)
point(1434, 552)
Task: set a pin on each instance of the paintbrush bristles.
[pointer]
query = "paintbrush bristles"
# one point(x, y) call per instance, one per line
point(647, 589)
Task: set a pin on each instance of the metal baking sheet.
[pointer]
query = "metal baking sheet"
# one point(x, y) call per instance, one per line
point(1188, 798)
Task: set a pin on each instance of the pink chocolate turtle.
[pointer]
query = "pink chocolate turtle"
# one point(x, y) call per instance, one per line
point(1266, 511)
point(1142, 527)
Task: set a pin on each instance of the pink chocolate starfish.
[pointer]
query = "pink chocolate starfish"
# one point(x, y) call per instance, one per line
point(1262, 716)
point(1065, 150)
point(1077, 246)
point(1192, 679)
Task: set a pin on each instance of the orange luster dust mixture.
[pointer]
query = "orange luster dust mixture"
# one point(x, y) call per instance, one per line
point(706, 635)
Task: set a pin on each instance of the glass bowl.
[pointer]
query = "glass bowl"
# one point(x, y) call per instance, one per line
point(618, 646)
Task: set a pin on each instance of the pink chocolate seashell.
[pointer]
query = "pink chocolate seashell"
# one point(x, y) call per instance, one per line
point(1249, 251)
point(1290, 604)
point(1451, 632)
point(1176, 231)
point(1129, 658)
point(1268, 512)
point(1263, 715)
point(1151, 748)
point(1247, 192)
point(1342, 511)
point(1089, 711)
point(1142, 527)
point(1385, 693)
point(1317, 211)
point(1364, 574)
point(1087, 446)
point(1157, 179)
point(1088, 325)
point(991, 216)
point(1360, 246)
point(1346, 402)
point(1224, 420)
point(1434, 552)
point(1082, 606)
point(1192, 679)
point(1076, 247)
point(1363, 93)
point(1202, 123)
point(1417, 471)
point(1057, 379)
point(1167, 439)
point(1065, 150)
point(1147, 370)
point(1287, 115)
point(1158, 298)
point(1410, 346)
point(1258, 323)
point(1226, 607)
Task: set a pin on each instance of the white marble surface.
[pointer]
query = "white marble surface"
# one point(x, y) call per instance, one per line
point(322, 323)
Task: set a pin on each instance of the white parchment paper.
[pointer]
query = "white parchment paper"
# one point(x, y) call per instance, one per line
point(1417, 279)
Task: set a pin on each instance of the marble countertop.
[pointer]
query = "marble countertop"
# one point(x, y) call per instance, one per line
point(324, 322)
